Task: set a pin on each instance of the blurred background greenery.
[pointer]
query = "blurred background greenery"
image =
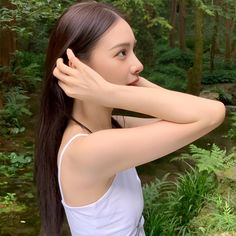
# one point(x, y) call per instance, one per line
point(185, 45)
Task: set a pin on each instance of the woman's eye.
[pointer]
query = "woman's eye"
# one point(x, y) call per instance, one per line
point(122, 53)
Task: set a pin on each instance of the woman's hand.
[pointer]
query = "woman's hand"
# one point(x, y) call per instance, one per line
point(81, 82)
point(145, 83)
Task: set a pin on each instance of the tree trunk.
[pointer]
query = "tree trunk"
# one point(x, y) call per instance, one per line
point(7, 47)
point(214, 41)
point(195, 73)
point(233, 53)
point(228, 38)
point(173, 23)
point(182, 15)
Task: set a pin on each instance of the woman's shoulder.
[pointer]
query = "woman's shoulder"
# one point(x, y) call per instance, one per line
point(71, 132)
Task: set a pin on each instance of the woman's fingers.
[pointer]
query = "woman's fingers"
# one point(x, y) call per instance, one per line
point(79, 81)
point(64, 68)
point(73, 59)
point(62, 76)
point(57, 73)
point(62, 85)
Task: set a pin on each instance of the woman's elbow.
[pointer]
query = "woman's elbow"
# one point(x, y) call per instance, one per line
point(217, 114)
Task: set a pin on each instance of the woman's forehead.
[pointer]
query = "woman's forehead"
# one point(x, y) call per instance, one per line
point(119, 33)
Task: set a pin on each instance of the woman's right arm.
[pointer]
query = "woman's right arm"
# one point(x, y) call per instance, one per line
point(184, 118)
point(165, 104)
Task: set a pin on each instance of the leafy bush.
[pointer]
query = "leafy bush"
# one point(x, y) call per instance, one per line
point(170, 206)
point(8, 203)
point(172, 70)
point(157, 217)
point(219, 76)
point(14, 111)
point(183, 59)
point(188, 198)
point(11, 162)
point(232, 132)
point(26, 69)
point(211, 161)
point(224, 96)
point(168, 78)
point(175, 208)
point(217, 216)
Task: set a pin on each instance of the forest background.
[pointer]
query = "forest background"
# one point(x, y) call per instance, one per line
point(185, 45)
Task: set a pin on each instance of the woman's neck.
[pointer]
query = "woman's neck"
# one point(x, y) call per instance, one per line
point(92, 116)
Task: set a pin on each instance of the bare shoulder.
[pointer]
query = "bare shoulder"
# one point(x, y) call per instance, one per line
point(72, 133)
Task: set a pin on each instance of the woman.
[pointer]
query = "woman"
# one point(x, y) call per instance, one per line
point(84, 166)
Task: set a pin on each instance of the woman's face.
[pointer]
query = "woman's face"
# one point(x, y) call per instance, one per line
point(113, 56)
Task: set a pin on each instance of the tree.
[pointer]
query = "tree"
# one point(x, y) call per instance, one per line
point(229, 8)
point(229, 25)
point(214, 39)
point(195, 73)
point(182, 15)
point(173, 23)
point(8, 42)
point(7, 47)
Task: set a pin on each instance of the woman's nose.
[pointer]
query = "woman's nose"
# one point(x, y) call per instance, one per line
point(136, 66)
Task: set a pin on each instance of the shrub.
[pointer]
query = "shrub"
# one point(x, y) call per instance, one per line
point(212, 160)
point(26, 69)
point(170, 76)
point(183, 59)
point(156, 214)
point(217, 216)
point(170, 206)
point(174, 208)
point(14, 111)
point(232, 132)
point(219, 76)
point(12, 162)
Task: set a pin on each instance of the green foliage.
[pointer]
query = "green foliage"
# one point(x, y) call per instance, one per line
point(219, 76)
point(187, 200)
point(182, 59)
point(157, 220)
point(172, 70)
point(168, 76)
point(211, 161)
point(8, 203)
point(28, 13)
point(155, 191)
point(207, 9)
point(9, 198)
point(12, 162)
point(217, 216)
point(232, 132)
point(169, 70)
point(26, 69)
point(14, 111)
point(224, 96)
point(170, 206)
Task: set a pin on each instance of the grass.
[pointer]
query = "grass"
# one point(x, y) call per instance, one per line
point(196, 203)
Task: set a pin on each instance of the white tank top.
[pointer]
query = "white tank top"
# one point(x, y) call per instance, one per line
point(117, 213)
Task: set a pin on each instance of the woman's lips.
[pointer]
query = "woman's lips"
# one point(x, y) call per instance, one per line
point(134, 82)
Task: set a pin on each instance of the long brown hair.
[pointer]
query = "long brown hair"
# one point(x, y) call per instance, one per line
point(79, 28)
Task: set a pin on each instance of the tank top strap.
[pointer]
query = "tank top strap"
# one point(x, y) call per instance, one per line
point(60, 160)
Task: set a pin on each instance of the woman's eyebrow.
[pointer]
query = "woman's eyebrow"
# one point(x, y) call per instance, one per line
point(123, 45)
